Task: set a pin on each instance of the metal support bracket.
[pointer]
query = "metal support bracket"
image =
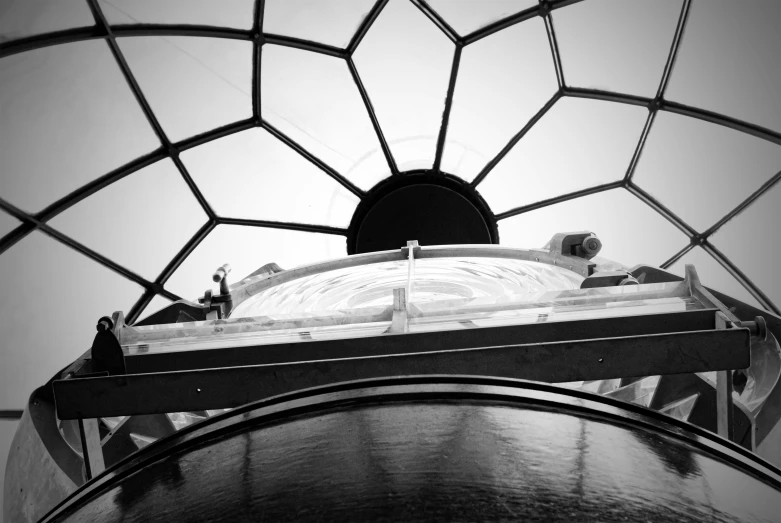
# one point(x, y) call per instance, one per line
point(219, 306)
point(400, 322)
point(725, 421)
point(90, 445)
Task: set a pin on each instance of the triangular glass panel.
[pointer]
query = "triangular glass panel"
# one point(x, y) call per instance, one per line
point(748, 241)
point(404, 62)
point(728, 61)
point(503, 81)
point(62, 107)
point(615, 216)
point(184, 419)
point(594, 386)
point(141, 441)
point(66, 295)
point(602, 43)
point(109, 221)
point(610, 385)
point(313, 100)
point(680, 409)
point(684, 156)
point(467, 16)
point(571, 384)
point(246, 249)
point(23, 18)
point(713, 275)
point(192, 84)
point(251, 174)
point(640, 392)
point(222, 13)
point(331, 22)
point(566, 152)
point(217, 412)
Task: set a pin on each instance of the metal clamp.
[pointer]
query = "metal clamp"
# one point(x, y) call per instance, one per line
point(219, 305)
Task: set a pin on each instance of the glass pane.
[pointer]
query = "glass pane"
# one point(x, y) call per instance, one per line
point(253, 175)
point(140, 222)
point(21, 18)
point(246, 249)
point(713, 275)
point(157, 303)
point(442, 280)
point(639, 392)
point(221, 13)
point(728, 60)
point(192, 84)
point(467, 16)
point(332, 22)
point(616, 45)
point(330, 121)
point(578, 144)
point(60, 108)
point(266, 326)
point(503, 81)
point(631, 232)
point(680, 409)
point(184, 419)
point(749, 242)
point(404, 62)
point(702, 171)
point(64, 294)
point(7, 223)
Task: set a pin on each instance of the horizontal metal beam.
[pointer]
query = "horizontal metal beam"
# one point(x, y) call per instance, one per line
point(603, 358)
point(305, 45)
point(11, 414)
point(419, 342)
point(31, 43)
point(677, 108)
point(131, 30)
point(291, 226)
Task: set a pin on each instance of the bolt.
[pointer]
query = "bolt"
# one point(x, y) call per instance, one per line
point(591, 245)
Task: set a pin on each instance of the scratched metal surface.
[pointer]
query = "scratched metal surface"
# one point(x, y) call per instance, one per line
point(438, 461)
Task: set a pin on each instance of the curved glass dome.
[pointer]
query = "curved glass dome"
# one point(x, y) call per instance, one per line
point(433, 279)
point(143, 144)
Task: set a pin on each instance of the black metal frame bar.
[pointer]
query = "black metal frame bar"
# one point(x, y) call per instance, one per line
point(11, 414)
point(685, 321)
point(103, 30)
point(221, 387)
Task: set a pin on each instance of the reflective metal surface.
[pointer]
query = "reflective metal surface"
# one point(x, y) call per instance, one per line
point(457, 450)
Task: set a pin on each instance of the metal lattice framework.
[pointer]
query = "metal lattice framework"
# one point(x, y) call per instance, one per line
point(545, 9)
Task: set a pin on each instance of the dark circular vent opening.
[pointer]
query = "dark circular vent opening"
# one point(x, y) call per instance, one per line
point(433, 209)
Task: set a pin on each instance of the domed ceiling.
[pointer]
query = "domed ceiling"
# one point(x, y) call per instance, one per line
point(144, 143)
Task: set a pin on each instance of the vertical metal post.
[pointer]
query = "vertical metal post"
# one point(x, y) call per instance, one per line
point(399, 322)
point(91, 448)
point(411, 246)
point(724, 413)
